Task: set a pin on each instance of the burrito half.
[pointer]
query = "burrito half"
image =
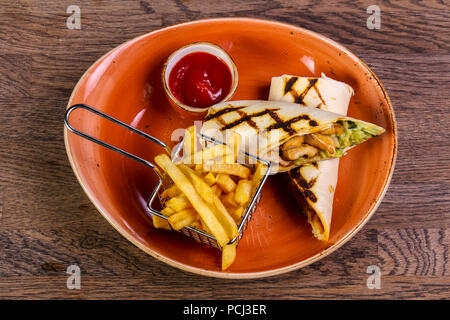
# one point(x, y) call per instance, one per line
point(287, 134)
point(314, 185)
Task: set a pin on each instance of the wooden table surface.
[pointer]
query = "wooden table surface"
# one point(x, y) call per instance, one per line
point(47, 222)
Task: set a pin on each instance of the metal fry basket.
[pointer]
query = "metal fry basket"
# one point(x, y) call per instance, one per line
point(164, 181)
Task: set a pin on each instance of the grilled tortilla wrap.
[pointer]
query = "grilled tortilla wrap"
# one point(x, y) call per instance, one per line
point(323, 93)
point(314, 185)
point(287, 134)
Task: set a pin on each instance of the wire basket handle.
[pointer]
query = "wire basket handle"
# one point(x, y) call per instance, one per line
point(107, 145)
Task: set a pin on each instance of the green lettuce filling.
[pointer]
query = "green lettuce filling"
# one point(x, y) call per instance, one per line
point(354, 134)
point(325, 154)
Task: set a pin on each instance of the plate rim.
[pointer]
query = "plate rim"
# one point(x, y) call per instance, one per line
point(242, 275)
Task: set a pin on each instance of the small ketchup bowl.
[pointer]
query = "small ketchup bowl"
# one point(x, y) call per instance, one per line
point(197, 76)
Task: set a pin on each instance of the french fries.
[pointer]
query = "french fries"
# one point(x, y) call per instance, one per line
point(228, 255)
point(199, 184)
point(225, 218)
point(237, 213)
point(228, 200)
point(243, 192)
point(190, 141)
point(164, 162)
point(196, 224)
point(178, 203)
point(217, 190)
point(234, 144)
point(160, 223)
point(216, 151)
point(205, 227)
point(234, 169)
point(183, 218)
point(171, 192)
point(167, 211)
point(259, 173)
point(210, 179)
point(210, 191)
point(213, 201)
point(225, 182)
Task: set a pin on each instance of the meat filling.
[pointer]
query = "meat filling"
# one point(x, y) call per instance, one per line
point(309, 145)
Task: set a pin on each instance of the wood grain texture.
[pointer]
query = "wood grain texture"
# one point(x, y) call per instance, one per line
point(47, 223)
point(414, 252)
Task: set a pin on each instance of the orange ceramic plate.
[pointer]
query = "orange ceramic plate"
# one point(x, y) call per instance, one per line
point(126, 84)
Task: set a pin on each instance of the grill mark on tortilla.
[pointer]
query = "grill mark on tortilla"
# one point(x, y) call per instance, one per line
point(222, 112)
point(313, 123)
point(299, 196)
point(285, 125)
point(294, 173)
point(250, 121)
point(289, 84)
point(310, 195)
point(318, 93)
point(298, 98)
point(297, 176)
point(246, 118)
point(221, 121)
point(312, 183)
point(279, 124)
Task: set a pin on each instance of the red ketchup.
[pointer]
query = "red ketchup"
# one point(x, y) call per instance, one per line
point(200, 80)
